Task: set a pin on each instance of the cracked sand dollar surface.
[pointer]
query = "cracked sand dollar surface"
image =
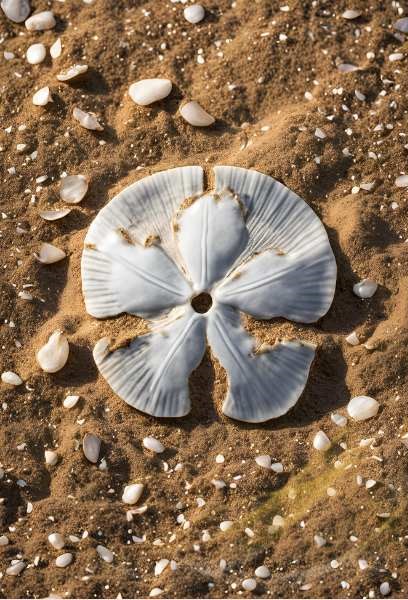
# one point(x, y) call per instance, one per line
point(190, 261)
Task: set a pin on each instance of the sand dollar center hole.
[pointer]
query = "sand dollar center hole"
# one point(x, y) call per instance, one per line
point(202, 302)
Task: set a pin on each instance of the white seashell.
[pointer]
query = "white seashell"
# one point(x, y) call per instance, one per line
point(132, 493)
point(347, 68)
point(16, 10)
point(351, 14)
point(42, 97)
point(402, 180)
point(54, 215)
point(320, 134)
point(104, 553)
point(147, 91)
point(16, 568)
point(402, 25)
point(54, 354)
point(278, 521)
point(225, 525)
point(70, 401)
point(4, 540)
point(56, 540)
point(11, 378)
point(264, 461)
point(277, 467)
point(385, 587)
point(321, 441)
point(152, 444)
point(41, 21)
point(352, 339)
point(263, 572)
point(8, 55)
point(72, 72)
point(36, 54)
point(51, 458)
point(219, 483)
point(73, 188)
point(361, 408)
point(64, 560)
point(155, 592)
point(363, 564)
point(91, 446)
point(220, 459)
point(365, 288)
point(194, 114)
point(319, 541)
point(395, 56)
point(370, 483)
point(56, 49)
point(160, 566)
point(194, 13)
point(87, 120)
point(249, 584)
point(49, 254)
point(338, 420)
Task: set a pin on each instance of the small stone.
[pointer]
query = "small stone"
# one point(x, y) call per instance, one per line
point(73, 188)
point(263, 572)
point(147, 91)
point(278, 521)
point(249, 584)
point(16, 10)
point(36, 54)
point(385, 588)
point(4, 540)
point(56, 540)
point(11, 378)
point(42, 97)
point(194, 13)
point(72, 72)
point(361, 408)
point(87, 120)
point(51, 458)
point(64, 560)
point(320, 134)
point(277, 467)
point(104, 553)
point(91, 446)
point(370, 483)
point(152, 444)
point(195, 115)
point(365, 288)
point(155, 592)
point(402, 181)
point(321, 441)
point(41, 21)
point(132, 493)
point(219, 459)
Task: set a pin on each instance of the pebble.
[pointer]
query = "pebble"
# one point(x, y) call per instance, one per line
point(54, 354)
point(49, 254)
point(73, 188)
point(86, 119)
point(249, 584)
point(91, 445)
point(51, 458)
point(160, 566)
point(72, 72)
point(152, 444)
point(361, 408)
point(56, 49)
point(36, 54)
point(225, 525)
point(11, 378)
point(321, 441)
point(16, 568)
point(195, 115)
point(16, 10)
point(351, 14)
point(41, 21)
point(147, 91)
point(64, 560)
point(104, 553)
point(70, 401)
point(132, 493)
point(54, 215)
point(194, 13)
point(365, 288)
point(263, 461)
point(263, 572)
point(42, 97)
point(338, 420)
point(352, 339)
point(56, 540)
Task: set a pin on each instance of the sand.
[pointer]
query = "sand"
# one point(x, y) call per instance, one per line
point(253, 83)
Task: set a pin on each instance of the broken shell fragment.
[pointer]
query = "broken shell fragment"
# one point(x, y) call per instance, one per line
point(16, 568)
point(56, 540)
point(264, 461)
point(352, 339)
point(73, 188)
point(263, 572)
point(54, 215)
point(351, 14)
point(16, 10)
point(338, 420)
point(104, 553)
point(54, 354)
point(194, 114)
point(160, 566)
point(72, 72)
point(152, 444)
point(56, 49)
point(194, 13)
point(365, 288)
point(402, 181)
point(49, 254)
point(147, 91)
point(42, 97)
point(86, 119)
point(132, 493)
point(51, 458)
point(91, 446)
point(64, 560)
point(70, 401)
point(35, 54)
point(41, 21)
point(361, 408)
point(321, 441)
point(11, 378)
point(402, 25)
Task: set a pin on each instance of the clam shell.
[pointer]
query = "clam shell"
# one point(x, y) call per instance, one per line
point(54, 215)
point(91, 446)
point(56, 540)
point(87, 120)
point(73, 188)
point(72, 72)
point(321, 441)
point(361, 408)
point(49, 254)
point(56, 49)
point(132, 493)
point(147, 91)
point(195, 115)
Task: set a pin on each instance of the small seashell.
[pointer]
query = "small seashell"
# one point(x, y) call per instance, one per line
point(219, 483)
point(104, 553)
point(54, 354)
point(338, 420)
point(277, 467)
point(51, 458)
point(91, 446)
point(385, 587)
point(152, 444)
point(73, 188)
point(155, 592)
point(394, 56)
point(278, 521)
point(263, 461)
point(402, 181)
point(319, 541)
point(4, 540)
point(41, 21)
point(56, 540)
point(370, 483)
point(320, 134)
point(64, 560)
point(11, 378)
point(194, 13)
point(402, 25)
point(72, 72)
point(365, 288)
point(35, 54)
point(42, 97)
point(219, 459)
point(16, 568)
point(321, 441)
point(249, 584)
point(361, 408)
point(351, 14)
point(16, 10)
point(160, 566)
point(70, 401)
point(87, 120)
point(147, 91)
point(362, 564)
point(132, 493)
point(347, 68)
point(194, 114)
point(54, 215)
point(49, 254)
point(352, 339)
point(263, 572)
point(225, 525)
point(56, 49)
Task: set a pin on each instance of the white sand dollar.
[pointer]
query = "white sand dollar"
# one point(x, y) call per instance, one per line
point(141, 256)
point(73, 188)
point(194, 13)
point(16, 10)
point(54, 354)
point(361, 408)
point(147, 91)
point(195, 115)
point(36, 54)
point(42, 96)
point(41, 21)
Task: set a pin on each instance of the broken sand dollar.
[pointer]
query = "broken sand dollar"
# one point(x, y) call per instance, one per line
point(147, 91)
point(141, 257)
point(73, 188)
